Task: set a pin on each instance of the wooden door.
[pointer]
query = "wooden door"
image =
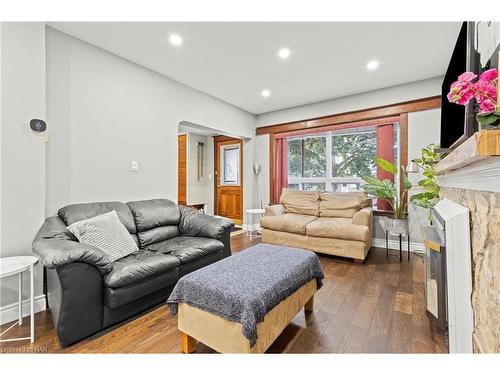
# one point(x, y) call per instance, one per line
point(182, 169)
point(228, 165)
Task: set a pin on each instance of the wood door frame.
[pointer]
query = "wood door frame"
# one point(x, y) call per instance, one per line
point(218, 139)
point(186, 140)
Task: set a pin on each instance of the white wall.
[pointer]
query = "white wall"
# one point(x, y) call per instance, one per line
point(423, 127)
point(198, 191)
point(22, 151)
point(488, 39)
point(105, 111)
point(261, 156)
point(377, 98)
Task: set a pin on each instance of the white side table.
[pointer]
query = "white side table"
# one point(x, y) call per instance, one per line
point(11, 266)
point(250, 212)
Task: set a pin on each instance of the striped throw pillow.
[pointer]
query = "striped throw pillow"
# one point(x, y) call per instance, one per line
point(107, 233)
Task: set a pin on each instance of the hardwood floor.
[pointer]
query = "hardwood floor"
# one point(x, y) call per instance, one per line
point(375, 307)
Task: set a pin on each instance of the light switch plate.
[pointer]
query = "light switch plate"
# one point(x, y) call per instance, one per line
point(134, 166)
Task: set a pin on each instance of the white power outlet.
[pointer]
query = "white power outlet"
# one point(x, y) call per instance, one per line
point(134, 166)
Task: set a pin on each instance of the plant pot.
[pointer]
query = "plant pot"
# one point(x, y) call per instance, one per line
point(493, 126)
point(397, 226)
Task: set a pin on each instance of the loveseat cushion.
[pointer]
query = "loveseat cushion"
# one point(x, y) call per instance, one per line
point(342, 204)
point(188, 249)
point(339, 228)
point(81, 211)
point(197, 224)
point(116, 297)
point(138, 266)
point(158, 234)
point(154, 213)
point(300, 202)
point(291, 223)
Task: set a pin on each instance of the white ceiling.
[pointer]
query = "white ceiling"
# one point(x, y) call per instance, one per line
point(236, 61)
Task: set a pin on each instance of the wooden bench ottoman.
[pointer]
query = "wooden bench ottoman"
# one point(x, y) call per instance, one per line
point(258, 277)
point(225, 336)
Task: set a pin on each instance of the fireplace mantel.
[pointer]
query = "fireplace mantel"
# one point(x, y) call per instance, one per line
point(474, 165)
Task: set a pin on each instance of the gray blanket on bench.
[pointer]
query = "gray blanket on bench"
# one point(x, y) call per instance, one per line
point(244, 287)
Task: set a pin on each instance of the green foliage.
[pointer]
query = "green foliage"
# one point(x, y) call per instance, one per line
point(386, 166)
point(312, 163)
point(384, 189)
point(353, 154)
point(427, 161)
point(424, 199)
point(487, 119)
point(315, 157)
point(387, 190)
point(295, 158)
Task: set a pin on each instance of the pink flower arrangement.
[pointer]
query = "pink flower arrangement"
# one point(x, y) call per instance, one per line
point(483, 91)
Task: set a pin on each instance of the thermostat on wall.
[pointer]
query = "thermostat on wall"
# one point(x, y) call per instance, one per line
point(38, 126)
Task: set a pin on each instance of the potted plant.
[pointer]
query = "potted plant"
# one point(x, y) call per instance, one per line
point(387, 190)
point(484, 91)
point(430, 196)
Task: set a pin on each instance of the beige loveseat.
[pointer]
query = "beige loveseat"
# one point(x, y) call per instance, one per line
point(332, 223)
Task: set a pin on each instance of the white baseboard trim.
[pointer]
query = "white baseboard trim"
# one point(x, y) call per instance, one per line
point(9, 313)
point(415, 247)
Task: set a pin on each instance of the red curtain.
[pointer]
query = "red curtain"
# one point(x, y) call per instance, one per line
point(385, 150)
point(280, 167)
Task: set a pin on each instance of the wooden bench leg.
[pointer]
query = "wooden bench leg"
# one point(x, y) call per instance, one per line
point(188, 343)
point(309, 306)
point(358, 261)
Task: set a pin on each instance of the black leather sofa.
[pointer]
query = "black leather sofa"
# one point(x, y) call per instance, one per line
point(87, 293)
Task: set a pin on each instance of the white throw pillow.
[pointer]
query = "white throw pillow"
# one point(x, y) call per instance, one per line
point(107, 233)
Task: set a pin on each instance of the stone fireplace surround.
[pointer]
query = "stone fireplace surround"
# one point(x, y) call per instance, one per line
point(484, 209)
point(470, 176)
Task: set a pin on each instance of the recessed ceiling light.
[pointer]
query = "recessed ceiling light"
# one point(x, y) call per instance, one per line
point(265, 93)
point(175, 39)
point(372, 65)
point(284, 53)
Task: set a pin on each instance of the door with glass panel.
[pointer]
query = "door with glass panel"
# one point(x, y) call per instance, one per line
point(228, 178)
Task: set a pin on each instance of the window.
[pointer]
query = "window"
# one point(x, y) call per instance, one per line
point(334, 160)
point(307, 157)
point(314, 186)
point(230, 165)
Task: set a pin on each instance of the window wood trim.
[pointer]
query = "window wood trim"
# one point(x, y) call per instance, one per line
point(354, 116)
point(403, 139)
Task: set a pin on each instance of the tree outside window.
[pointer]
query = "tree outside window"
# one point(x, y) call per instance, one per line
point(353, 155)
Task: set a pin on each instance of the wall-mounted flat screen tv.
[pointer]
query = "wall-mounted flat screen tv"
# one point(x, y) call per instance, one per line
point(457, 121)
